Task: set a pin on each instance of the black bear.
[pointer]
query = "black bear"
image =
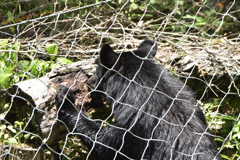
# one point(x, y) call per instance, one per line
point(155, 114)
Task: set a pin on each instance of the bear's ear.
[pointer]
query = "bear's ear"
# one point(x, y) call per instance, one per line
point(108, 57)
point(147, 47)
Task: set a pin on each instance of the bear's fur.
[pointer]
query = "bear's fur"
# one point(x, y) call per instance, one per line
point(155, 115)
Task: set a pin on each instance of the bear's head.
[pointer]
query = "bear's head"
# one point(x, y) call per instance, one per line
point(111, 62)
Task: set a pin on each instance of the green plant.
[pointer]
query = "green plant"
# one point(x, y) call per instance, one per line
point(223, 125)
point(12, 70)
point(8, 63)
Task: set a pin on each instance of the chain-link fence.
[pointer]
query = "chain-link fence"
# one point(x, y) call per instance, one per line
point(119, 79)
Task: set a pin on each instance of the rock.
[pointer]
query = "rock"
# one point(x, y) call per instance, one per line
point(186, 64)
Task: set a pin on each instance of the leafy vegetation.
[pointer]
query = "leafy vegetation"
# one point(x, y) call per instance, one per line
point(224, 125)
point(13, 71)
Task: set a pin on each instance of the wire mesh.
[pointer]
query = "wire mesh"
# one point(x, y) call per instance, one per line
point(48, 44)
